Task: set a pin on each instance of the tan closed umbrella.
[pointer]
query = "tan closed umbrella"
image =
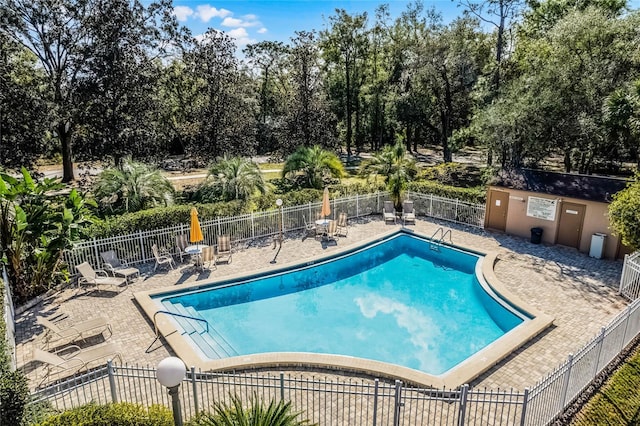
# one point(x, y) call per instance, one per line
point(195, 234)
point(326, 205)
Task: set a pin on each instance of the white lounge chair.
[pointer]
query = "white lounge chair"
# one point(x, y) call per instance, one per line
point(80, 330)
point(309, 228)
point(117, 267)
point(99, 279)
point(408, 214)
point(74, 359)
point(389, 212)
point(163, 258)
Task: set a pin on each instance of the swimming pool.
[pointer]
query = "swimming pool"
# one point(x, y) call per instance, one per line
point(392, 302)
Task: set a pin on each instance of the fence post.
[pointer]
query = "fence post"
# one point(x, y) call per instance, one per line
point(626, 328)
point(195, 389)
point(357, 206)
point(142, 250)
point(112, 381)
point(456, 216)
point(397, 403)
point(376, 384)
point(565, 385)
point(463, 404)
point(430, 205)
point(600, 344)
point(253, 227)
point(95, 252)
point(282, 386)
point(523, 415)
point(623, 275)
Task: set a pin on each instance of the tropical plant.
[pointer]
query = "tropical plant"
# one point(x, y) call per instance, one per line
point(256, 414)
point(314, 164)
point(392, 163)
point(131, 187)
point(36, 224)
point(624, 214)
point(233, 178)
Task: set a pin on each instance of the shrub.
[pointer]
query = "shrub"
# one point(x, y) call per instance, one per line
point(162, 217)
point(117, 414)
point(470, 195)
point(14, 392)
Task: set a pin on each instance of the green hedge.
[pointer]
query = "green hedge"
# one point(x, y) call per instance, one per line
point(470, 195)
point(118, 414)
point(162, 217)
point(14, 392)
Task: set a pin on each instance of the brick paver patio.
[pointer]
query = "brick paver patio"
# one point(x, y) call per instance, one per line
point(578, 291)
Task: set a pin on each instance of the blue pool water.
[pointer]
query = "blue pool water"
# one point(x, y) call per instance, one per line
point(397, 301)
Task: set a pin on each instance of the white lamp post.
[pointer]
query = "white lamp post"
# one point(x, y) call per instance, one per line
point(170, 373)
point(279, 204)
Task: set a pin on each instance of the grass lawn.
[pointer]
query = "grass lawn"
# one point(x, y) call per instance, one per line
point(618, 401)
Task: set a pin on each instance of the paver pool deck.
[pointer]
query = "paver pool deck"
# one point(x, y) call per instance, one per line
point(578, 291)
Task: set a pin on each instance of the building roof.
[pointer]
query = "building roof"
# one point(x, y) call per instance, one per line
point(584, 187)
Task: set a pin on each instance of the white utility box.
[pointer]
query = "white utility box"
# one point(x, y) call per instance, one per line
point(597, 245)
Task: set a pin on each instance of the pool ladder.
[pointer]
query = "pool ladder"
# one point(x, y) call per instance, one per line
point(175, 314)
point(435, 246)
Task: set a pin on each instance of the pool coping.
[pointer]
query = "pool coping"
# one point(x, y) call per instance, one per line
point(463, 373)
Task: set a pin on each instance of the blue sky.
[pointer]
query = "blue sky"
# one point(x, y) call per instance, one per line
point(252, 21)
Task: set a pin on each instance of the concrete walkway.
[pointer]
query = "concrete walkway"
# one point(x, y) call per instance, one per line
point(578, 291)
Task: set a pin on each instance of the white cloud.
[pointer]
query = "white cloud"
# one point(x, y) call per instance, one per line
point(262, 30)
point(241, 36)
point(251, 17)
point(234, 23)
point(206, 12)
point(182, 12)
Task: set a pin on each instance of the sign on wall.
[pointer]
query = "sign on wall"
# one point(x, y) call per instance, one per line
point(542, 208)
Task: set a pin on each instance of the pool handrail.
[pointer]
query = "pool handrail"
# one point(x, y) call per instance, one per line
point(443, 235)
point(155, 324)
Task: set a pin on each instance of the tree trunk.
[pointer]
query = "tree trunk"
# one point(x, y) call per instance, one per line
point(348, 102)
point(567, 160)
point(64, 133)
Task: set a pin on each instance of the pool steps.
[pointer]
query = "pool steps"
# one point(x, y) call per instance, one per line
point(211, 344)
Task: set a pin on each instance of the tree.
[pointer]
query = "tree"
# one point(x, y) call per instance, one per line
point(622, 120)
point(308, 114)
point(393, 165)
point(132, 186)
point(60, 35)
point(344, 47)
point(624, 214)
point(36, 225)
point(23, 114)
point(314, 164)
point(233, 178)
point(267, 61)
point(225, 117)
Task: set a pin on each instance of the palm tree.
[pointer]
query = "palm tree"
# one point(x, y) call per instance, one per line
point(392, 163)
point(132, 186)
point(256, 414)
point(233, 178)
point(314, 164)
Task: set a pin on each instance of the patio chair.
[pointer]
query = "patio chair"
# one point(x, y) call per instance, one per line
point(224, 249)
point(208, 255)
point(332, 228)
point(182, 242)
point(59, 334)
point(117, 267)
point(99, 279)
point(75, 360)
point(389, 212)
point(162, 258)
point(309, 228)
point(408, 214)
point(342, 228)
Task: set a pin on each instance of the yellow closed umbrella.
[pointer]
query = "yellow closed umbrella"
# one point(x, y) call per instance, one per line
point(195, 235)
point(326, 205)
